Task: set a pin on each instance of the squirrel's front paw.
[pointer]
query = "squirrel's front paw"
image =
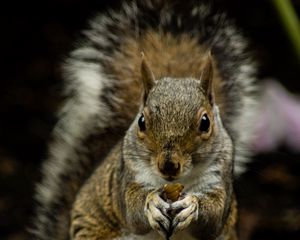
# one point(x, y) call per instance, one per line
point(156, 211)
point(187, 210)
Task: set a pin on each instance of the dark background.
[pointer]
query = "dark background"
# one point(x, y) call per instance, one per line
point(36, 37)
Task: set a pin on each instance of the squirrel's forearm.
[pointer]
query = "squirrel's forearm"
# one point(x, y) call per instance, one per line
point(95, 213)
point(214, 208)
point(89, 221)
point(86, 225)
point(135, 197)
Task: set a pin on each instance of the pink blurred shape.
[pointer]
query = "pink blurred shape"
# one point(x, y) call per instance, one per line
point(278, 121)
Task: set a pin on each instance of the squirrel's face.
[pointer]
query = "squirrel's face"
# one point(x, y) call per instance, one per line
point(177, 120)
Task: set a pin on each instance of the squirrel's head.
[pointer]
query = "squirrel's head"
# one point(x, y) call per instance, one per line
point(176, 120)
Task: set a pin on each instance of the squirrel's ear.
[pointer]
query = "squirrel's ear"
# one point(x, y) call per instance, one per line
point(206, 78)
point(147, 77)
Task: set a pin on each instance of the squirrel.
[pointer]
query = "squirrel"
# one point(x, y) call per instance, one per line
point(158, 92)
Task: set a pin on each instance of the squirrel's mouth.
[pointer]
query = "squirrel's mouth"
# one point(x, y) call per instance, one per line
point(170, 178)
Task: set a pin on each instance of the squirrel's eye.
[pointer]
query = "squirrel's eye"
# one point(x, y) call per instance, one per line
point(141, 123)
point(204, 124)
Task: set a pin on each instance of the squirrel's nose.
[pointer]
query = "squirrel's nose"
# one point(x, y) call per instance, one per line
point(170, 168)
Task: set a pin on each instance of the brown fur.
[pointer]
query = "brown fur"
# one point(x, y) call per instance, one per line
point(167, 55)
point(229, 230)
point(113, 200)
point(95, 214)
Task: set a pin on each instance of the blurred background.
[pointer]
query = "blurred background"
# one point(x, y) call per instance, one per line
point(37, 36)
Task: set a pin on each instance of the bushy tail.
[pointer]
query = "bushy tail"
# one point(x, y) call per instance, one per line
point(85, 133)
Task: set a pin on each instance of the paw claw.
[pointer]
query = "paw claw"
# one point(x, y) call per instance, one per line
point(156, 211)
point(189, 212)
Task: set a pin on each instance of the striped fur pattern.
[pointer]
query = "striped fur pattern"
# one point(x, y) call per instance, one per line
point(102, 102)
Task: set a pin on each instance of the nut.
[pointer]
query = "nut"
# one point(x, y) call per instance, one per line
point(172, 191)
